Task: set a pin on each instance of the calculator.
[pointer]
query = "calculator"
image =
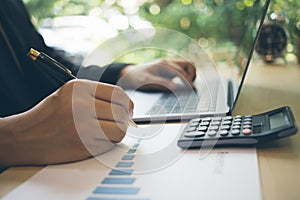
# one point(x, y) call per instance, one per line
point(238, 130)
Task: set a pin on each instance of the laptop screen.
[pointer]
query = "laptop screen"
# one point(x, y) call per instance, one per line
point(217, 36)
point(230, 44)
point(250, 30)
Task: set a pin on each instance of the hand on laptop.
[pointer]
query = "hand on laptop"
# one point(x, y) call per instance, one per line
point(72, 123)
point(158, 75)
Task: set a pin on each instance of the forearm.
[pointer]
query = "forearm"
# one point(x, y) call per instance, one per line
point(108, 74)
point(7, 142)
point(15, 137)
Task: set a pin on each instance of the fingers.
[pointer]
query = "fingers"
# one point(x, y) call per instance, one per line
point(103, 104)
point(110, 112)
point(180, 68)
point(113, 109)
point(115, 132)
point(189, 70)
point(106, 125)
point(158, 75)
point(103, 92)
point(115, 95)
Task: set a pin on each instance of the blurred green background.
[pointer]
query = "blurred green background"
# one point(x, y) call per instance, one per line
point(191, 17)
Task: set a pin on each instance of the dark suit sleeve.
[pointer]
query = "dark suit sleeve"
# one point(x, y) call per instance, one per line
point(107, 74)
point(24, 36)
point(22, 83)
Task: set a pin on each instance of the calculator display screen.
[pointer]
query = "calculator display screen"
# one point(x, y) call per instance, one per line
point(277, 120)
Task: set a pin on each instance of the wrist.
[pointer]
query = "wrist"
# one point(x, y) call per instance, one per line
point(125, 70)
point(124, 77)
point(7, 142)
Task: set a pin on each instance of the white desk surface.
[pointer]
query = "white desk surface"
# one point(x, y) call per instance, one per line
point(266, 87)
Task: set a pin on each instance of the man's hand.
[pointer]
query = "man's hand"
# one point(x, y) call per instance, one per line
point(81, 119)
point(158, 75)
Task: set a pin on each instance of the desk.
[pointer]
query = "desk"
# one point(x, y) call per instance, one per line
point(266, 87)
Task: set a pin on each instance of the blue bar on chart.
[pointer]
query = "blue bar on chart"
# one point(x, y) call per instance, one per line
point(124, 164)
point(107, 198)
point(118, 181)
point(128, 157)
point(116, 190)
point(120, 172)
point(131, 151)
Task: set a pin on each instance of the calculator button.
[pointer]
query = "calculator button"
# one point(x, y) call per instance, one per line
point(213, 128)
point(194, 123)
point(207, 119)
point(246, 127)
point(196, 120)
point(247, 123)
point(190, 129)
point(246, 131)
point(194, 134)
point(204, 123)
point(228, 118)
point(217, 123)
point(225, 127)
point(235, 132)
point(237, 120)
point(238, 117)
point(224, 132)
point(236, 123)
point(248, 120)
point(202, 128)
point(236, 127)
point(226, 123)
point(217, 118)
point(211, 133)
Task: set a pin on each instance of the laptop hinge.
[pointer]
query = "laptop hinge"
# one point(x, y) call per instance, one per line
point(230, 96)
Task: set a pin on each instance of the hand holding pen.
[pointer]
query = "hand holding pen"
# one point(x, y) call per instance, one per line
point(56, 69)
point(80, 119)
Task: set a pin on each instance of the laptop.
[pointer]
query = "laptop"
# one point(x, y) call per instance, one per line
point(218, 82)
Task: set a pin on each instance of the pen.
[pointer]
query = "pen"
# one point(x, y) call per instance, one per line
point(57, 70)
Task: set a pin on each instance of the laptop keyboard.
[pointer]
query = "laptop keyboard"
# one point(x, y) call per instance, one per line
point(184, 102)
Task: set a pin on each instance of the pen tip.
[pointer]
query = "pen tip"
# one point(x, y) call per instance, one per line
point(132, 123)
